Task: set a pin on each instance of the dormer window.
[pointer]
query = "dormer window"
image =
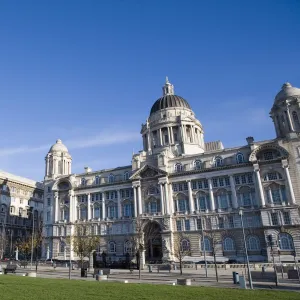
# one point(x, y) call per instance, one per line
point(197, 164)
point(126, 175)
point(240, 158)
point(83, 181)
point(111, 178)
point(97, 180)
point(218, 161)
point(178, 167)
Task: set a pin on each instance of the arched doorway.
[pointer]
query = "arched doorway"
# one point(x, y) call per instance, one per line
point(153, 242)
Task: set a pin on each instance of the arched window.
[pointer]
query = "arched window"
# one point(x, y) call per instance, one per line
point(96, 211)
point(128, 247)
point(111, 247)
point(207, 244)
point(272, 176)
point(285, 242)
point(240, 158)
point(296, 120)
point(182, 203)
point(218, 161)
point(185, 245)
point(202, 201)
point(111, 178)
point(224, 198)
point(275, 193)
point(152, 206)
point(253, 243)
point(197, 164)
point(228, 244)
point(62, 246)
point(246, 196)
point(178, 167)
point(126, 176)
point(127, 209)
point(83, 181)
point(83, 212)
point(97, 180)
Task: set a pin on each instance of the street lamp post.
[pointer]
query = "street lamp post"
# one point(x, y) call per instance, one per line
point(204, 250)
point(70, 249)
point(32, 215)
point(246, 251)
point(271, 243)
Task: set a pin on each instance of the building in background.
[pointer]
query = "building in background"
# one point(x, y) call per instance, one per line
point(181, 186)
point(18, 195)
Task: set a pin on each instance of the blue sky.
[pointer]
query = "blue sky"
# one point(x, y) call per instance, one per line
point(88, 72)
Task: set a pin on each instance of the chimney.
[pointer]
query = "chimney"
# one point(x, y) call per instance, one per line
point(250, 140)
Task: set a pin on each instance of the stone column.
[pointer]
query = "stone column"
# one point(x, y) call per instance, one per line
point(171, 135)
point(134, 201)
point(233, 192)
point(47, 167)
point(289, 118)
point(260, 188)
point(119, 204)
point(191, 200)
point(270, 196)
point(160, 137)
point(71, 206)
point(88, 206)
point(162, 199)
point(211, 195)
point(167, 202)
point(140, 199)
point(56, 216)
point(288, 178)
point(103, 207)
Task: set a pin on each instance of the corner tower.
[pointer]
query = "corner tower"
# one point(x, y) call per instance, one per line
point(286, 112)
point(172, 126)
point(58, 161)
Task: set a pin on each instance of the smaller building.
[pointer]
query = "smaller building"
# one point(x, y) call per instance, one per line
point(18, 197)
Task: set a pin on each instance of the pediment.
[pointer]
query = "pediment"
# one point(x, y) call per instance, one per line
point(148, 171)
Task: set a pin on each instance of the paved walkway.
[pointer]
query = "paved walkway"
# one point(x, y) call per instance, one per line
point(165, 277)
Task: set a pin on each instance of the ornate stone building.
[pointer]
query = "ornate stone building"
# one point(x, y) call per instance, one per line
point(180, 186)
point(17, 195)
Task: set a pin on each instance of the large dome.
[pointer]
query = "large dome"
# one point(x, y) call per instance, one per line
point(287, 91)
point(168, 101)
point(58, 147)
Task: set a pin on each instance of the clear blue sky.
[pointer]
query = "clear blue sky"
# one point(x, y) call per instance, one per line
point(88, 72)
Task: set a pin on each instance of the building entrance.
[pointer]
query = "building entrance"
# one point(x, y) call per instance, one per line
point(153, 242)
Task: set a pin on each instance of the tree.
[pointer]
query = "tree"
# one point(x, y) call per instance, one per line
point(181, 248)
point(143, 233)
point(83, 242)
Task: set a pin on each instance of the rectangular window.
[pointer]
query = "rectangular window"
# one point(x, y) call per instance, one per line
point(21, 201)
point(185, 186)
point(175, 189)
point(127, 193)
point(286, 218)
point(180, 187)
point(200, 185)
point(215, 182)
point(178, 225)
point(230, 222)
point(49, 201)
point(48, 216)
point(187, 225)
point(250, 178)
point(237, 179)
point(166, 139)
point(49, 189)
point(194, 185)
point(227, 181)
point(221, 223)
point(274, 219)
point(221, 181)
point(243, 179)
point(205, 183)
point(175, 137)
point(122, 193)
point(199, 224)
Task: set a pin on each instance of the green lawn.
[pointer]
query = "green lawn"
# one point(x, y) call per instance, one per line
point(18, 288)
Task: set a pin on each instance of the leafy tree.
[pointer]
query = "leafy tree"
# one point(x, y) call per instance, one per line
point(181, 248)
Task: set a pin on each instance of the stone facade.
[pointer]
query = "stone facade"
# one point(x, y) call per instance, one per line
point(18, 194)
point(182, 187)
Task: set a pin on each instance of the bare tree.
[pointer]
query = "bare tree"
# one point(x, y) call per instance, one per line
point(181, 248)
point(143, 233)
point(83, 241)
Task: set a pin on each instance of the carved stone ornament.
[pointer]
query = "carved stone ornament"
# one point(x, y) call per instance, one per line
point(55, 194)
point(165, 224)
point(148, 173)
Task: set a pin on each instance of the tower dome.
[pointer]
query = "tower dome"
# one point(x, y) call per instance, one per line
point(58, 147)
point(168, 99)
point(287, 91)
